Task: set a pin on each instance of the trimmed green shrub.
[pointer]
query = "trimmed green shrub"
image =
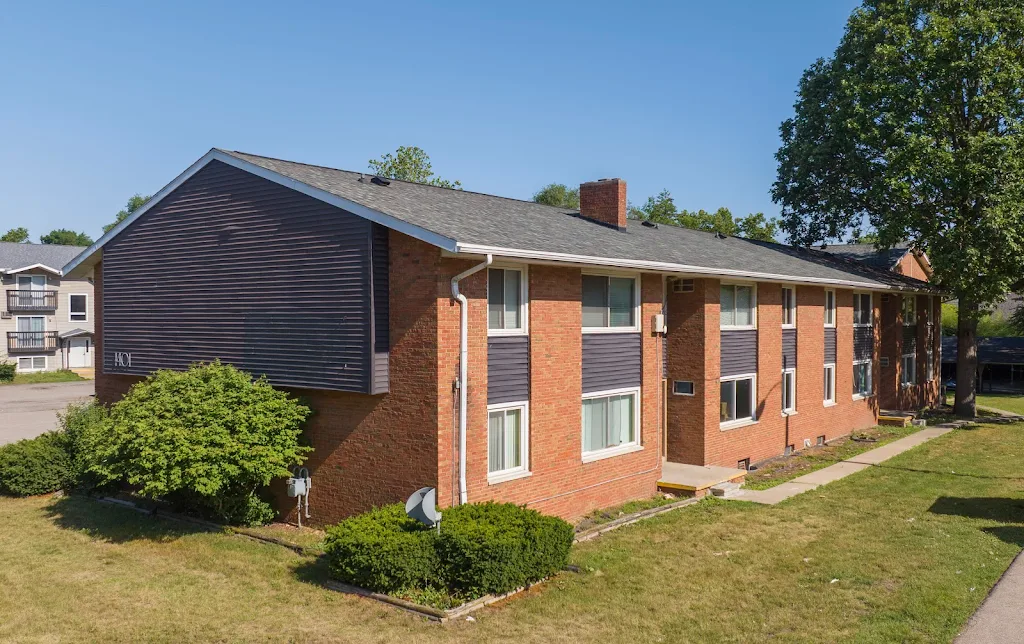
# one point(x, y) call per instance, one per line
point(382, 550)
point(482, 548)
point(7, 371)
point(211, 437)
point(34, 466)
point(81, 423)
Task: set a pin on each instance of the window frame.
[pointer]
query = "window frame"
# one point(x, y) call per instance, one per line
point(746, 420)
point(617, 450)
point(871, 308)
point(32, 360)
point(693, 388)
point(912, 299)
point(912, 357)
point(830, 312)
point(522, 470)
point(830, 401)
point(86, 314)
point(792, 310)
point(789, 371)
point(635, 328)
point(524, 299)
point(30, 276)
point(870, 378)
point(753, 306)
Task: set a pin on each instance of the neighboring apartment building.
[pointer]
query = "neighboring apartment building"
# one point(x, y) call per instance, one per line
point(493, 348)
point(46, 319)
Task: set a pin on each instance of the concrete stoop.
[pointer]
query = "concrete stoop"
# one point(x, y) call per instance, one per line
point(727, 489)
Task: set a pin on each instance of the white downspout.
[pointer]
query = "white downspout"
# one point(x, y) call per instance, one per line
point(464, 369)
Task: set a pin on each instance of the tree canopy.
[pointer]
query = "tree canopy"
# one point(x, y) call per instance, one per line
point(65, 237)
point(409, 164)
point(662, 209)
point(16, 235)
point(558, 194)
point(135, 202)
point(915, 124)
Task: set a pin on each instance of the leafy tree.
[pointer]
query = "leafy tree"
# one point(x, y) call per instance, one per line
point(560, 195)
point(916, 124)
point(990, 325)
point(65, 237)
point(662, 209)
point(135, 202)
point(757, 226)
point(1017, 320)
point(16, 235)
point(409, 164)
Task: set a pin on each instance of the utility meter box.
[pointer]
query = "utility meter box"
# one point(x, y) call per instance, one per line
point(296, 487)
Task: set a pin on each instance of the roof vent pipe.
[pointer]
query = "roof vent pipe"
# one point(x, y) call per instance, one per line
point(461, 383)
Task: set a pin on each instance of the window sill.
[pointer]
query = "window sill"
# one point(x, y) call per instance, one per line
point(863, 396)
point(505, 477)
point(736, 424)
point(733, 327)
point(829, 403)
point(790, 413)
point(610, 329)
point(788, 326)
point(500, 333)
point(590, 457)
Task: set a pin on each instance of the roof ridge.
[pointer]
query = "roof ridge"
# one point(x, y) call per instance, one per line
point(28, 243)
point(414, 183)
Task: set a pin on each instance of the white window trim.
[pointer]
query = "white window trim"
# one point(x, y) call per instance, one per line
point(746, 420)
point(830, 402)
point(524, 419)
point(912, 356)
point(930, 367)
point(830, 325)
point(791, 325)
point(46, 364)
point(871, 307)
point(792, 410)
point(524, 299)
point(753, 307)
point(86, 296)
point(871, 380)
point(636, 304)
point(913, 300)
point(618, 450)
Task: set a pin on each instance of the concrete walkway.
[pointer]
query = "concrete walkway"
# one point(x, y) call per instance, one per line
point(842, 469)
point(1001, 617)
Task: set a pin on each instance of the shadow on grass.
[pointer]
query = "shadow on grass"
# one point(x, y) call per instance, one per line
point(1009, 533)
point(115, 524)
point(313, 570)
point(1003, 510)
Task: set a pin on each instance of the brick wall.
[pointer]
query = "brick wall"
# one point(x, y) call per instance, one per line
point(911, 266)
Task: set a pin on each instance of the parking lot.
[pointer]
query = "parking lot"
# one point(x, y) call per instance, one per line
point(29, 410)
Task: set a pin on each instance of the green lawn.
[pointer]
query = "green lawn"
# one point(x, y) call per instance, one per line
point(901, 552)
point(1005, 402)
point(43, 376)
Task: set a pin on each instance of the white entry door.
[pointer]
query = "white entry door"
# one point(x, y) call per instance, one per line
point(79, 353)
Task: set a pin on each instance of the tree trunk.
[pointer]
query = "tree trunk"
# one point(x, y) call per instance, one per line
point(965, 404)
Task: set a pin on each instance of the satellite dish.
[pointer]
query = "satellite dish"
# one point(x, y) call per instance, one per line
point(422, 506)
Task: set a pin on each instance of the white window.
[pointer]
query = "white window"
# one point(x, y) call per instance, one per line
point(863, 314)
point(78, 308)
point(738, 306)
point(909, 310)
point(610, 303)
point(30, 332)
point(31, 291)
point(862, 379)
point(908, 375)
point(610, 421)
point(506, 301)
point(32, 363)
point(31, 282)
point(830, 308)
point(930, 367)
point(789, 391)
point(788, 306)
point(737, 400)
point(830, 384)
point(507, 442)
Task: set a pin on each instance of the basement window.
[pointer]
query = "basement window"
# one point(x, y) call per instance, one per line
point(821, 440)
point(743, 464)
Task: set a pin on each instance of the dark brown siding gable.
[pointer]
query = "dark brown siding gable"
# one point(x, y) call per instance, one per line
point(231, 266)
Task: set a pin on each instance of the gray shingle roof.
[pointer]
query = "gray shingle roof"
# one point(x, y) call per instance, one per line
point(20, 255)
point(868, 254)
point(990, 350)
point(474, 219)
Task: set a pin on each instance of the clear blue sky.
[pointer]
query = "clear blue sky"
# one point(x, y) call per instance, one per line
point(102, 100)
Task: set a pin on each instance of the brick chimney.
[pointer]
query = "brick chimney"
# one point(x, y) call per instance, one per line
point(604, 200)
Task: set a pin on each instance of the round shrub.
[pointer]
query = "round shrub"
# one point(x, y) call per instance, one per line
point(34, 466)
point(78, 422)
point(7, 371)
point(211, 435)
point(382, 550)
point(499, 547)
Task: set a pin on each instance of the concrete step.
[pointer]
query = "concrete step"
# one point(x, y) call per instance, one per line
point(726, 489)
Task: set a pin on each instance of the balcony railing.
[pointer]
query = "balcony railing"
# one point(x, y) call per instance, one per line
point(23, 341)
point(31, 300)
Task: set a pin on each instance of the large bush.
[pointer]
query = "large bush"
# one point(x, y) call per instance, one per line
point(210, 437)
point(81, 423)
point(7, 371)
point(481, 548)
point(34, 466)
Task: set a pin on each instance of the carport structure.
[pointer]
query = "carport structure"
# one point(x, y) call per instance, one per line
point(1000, 363)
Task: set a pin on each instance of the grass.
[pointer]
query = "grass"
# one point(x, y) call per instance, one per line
point(815, 458)
point(600, 517)
point(1006, 402)
point(901, 552)
point(37, 377)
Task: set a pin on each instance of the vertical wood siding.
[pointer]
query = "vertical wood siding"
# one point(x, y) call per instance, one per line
point(235, 267)
point(508, 369)
point(611, 361)
point(739, 352)
point(863, 342)
point(830, 345)
point(788, 348)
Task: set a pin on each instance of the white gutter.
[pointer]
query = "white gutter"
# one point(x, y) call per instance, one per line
point(464, 368)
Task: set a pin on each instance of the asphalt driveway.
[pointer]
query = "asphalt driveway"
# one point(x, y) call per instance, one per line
point(29, 410)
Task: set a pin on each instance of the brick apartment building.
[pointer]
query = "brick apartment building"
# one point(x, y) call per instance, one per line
point(596, 349)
